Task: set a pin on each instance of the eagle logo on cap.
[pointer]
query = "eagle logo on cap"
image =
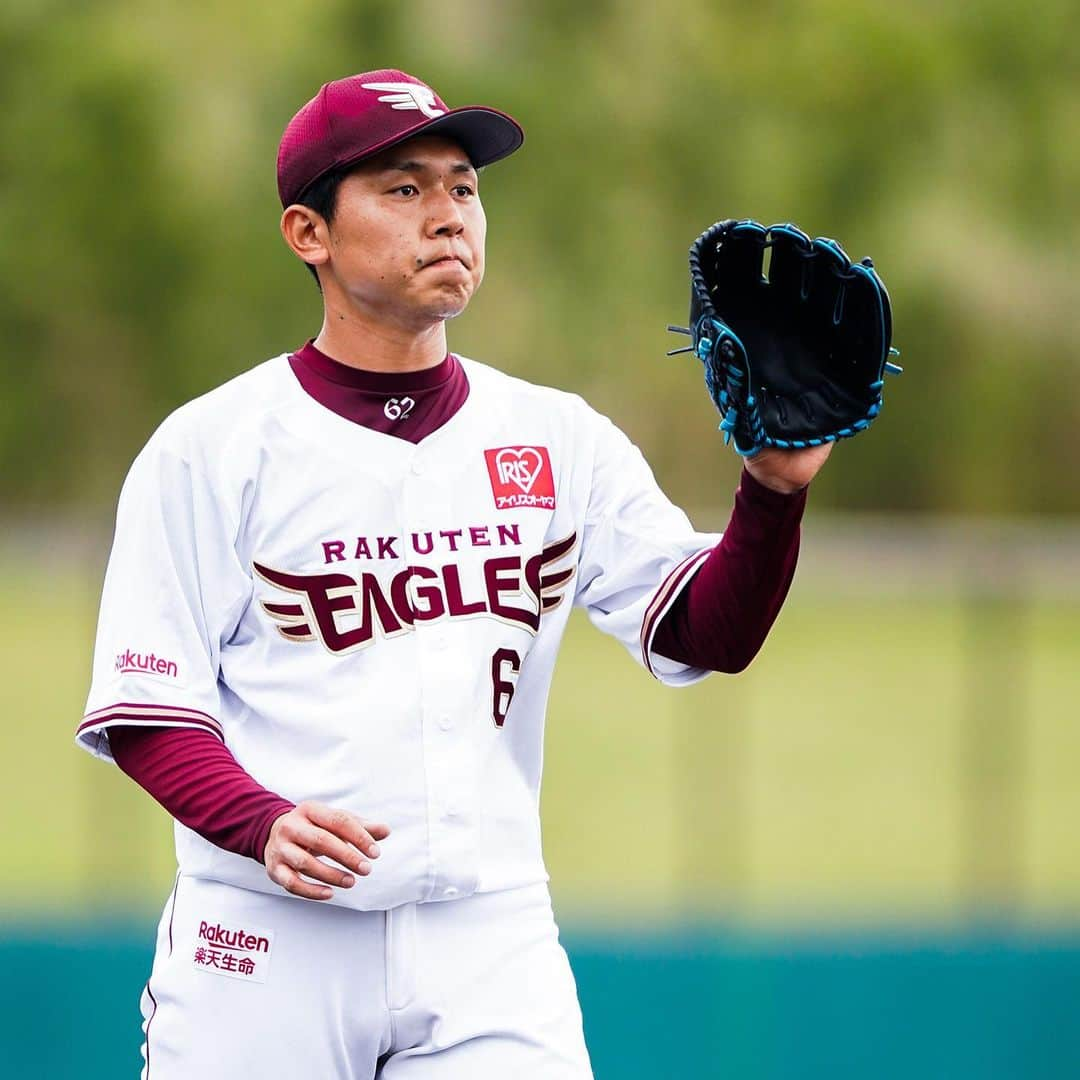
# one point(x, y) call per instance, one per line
point(403, 95)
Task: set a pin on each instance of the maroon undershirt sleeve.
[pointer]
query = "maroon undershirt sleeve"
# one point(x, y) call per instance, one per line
point(195, 777)
point(721, 619)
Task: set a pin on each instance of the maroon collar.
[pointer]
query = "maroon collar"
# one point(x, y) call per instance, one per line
point(375, 382)
point(408, 405)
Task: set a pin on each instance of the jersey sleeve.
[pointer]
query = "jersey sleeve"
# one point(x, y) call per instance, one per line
point(638, 552)
point(174, 592)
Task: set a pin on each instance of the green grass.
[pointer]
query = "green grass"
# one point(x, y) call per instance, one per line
point(835, 780)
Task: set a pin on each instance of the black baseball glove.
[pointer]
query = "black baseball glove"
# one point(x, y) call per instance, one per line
point(796, 358)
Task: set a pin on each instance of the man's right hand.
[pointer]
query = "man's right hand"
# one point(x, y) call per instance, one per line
point(313, 829)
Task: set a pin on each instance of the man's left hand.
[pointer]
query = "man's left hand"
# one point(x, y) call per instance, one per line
point(787, 471)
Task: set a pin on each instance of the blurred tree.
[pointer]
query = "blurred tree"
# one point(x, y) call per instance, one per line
point(142, 264)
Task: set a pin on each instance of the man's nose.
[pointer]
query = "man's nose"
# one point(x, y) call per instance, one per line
point(446, 218)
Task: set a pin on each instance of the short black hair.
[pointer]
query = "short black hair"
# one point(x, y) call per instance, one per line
point(321, 196)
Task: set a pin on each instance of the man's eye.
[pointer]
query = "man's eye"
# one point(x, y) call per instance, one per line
point(407, 189)
point(464, 189)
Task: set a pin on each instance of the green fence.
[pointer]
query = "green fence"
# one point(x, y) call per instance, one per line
point(704, 1004)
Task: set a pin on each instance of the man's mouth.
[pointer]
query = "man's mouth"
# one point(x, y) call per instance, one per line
point(448, 259)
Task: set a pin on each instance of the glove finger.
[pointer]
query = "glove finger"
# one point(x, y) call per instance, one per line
point(827, 292)
point(862, 338)
point(859, 348)
point(703, 257)
point(789, 266)
point(737, 255)
point(871, 309)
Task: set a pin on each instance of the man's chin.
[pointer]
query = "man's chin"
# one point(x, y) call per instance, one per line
point(422, 312)
point(447, 306)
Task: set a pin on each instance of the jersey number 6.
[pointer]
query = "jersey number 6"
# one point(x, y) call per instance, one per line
point(505, 665)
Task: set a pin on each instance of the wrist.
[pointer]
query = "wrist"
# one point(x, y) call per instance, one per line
point(265, 831)
point(770, 485)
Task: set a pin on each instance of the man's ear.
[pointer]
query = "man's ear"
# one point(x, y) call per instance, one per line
point(306, 233)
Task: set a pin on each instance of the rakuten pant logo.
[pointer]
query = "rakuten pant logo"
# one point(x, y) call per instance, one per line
point(521, 476)
point(240, 953)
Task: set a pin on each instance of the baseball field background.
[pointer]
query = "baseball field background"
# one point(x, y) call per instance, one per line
point(859, 858)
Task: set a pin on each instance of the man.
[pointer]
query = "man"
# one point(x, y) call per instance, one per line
point(336, 592)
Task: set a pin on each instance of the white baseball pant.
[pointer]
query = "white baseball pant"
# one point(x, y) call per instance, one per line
point(266, 986)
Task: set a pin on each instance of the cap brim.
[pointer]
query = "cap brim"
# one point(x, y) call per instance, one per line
point(486, 135)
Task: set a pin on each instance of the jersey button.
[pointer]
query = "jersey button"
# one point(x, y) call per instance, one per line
point(449, 892)
point(416, 468)
point(445, 722)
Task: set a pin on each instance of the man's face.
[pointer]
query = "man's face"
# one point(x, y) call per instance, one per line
point(407, 239)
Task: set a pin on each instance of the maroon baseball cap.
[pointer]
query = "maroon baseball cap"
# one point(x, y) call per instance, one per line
point(351, 119)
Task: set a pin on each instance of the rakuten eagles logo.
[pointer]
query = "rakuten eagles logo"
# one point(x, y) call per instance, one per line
point(129, 662)
point(350, 611)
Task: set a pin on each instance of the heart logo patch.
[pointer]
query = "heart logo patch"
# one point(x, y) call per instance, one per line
point(521, 476)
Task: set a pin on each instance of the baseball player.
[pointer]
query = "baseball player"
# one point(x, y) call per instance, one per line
point(336, 591)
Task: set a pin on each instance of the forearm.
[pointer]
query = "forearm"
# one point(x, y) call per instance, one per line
point(721, 619)
point(194, 776)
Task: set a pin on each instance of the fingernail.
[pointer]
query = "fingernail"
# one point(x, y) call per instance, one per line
point(373, 851)
point(363, 867)
point(348, 882)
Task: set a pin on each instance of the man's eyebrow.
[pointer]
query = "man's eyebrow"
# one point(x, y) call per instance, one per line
point(419, 166)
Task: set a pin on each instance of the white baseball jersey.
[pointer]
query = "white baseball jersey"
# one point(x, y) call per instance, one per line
point(373, 624)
